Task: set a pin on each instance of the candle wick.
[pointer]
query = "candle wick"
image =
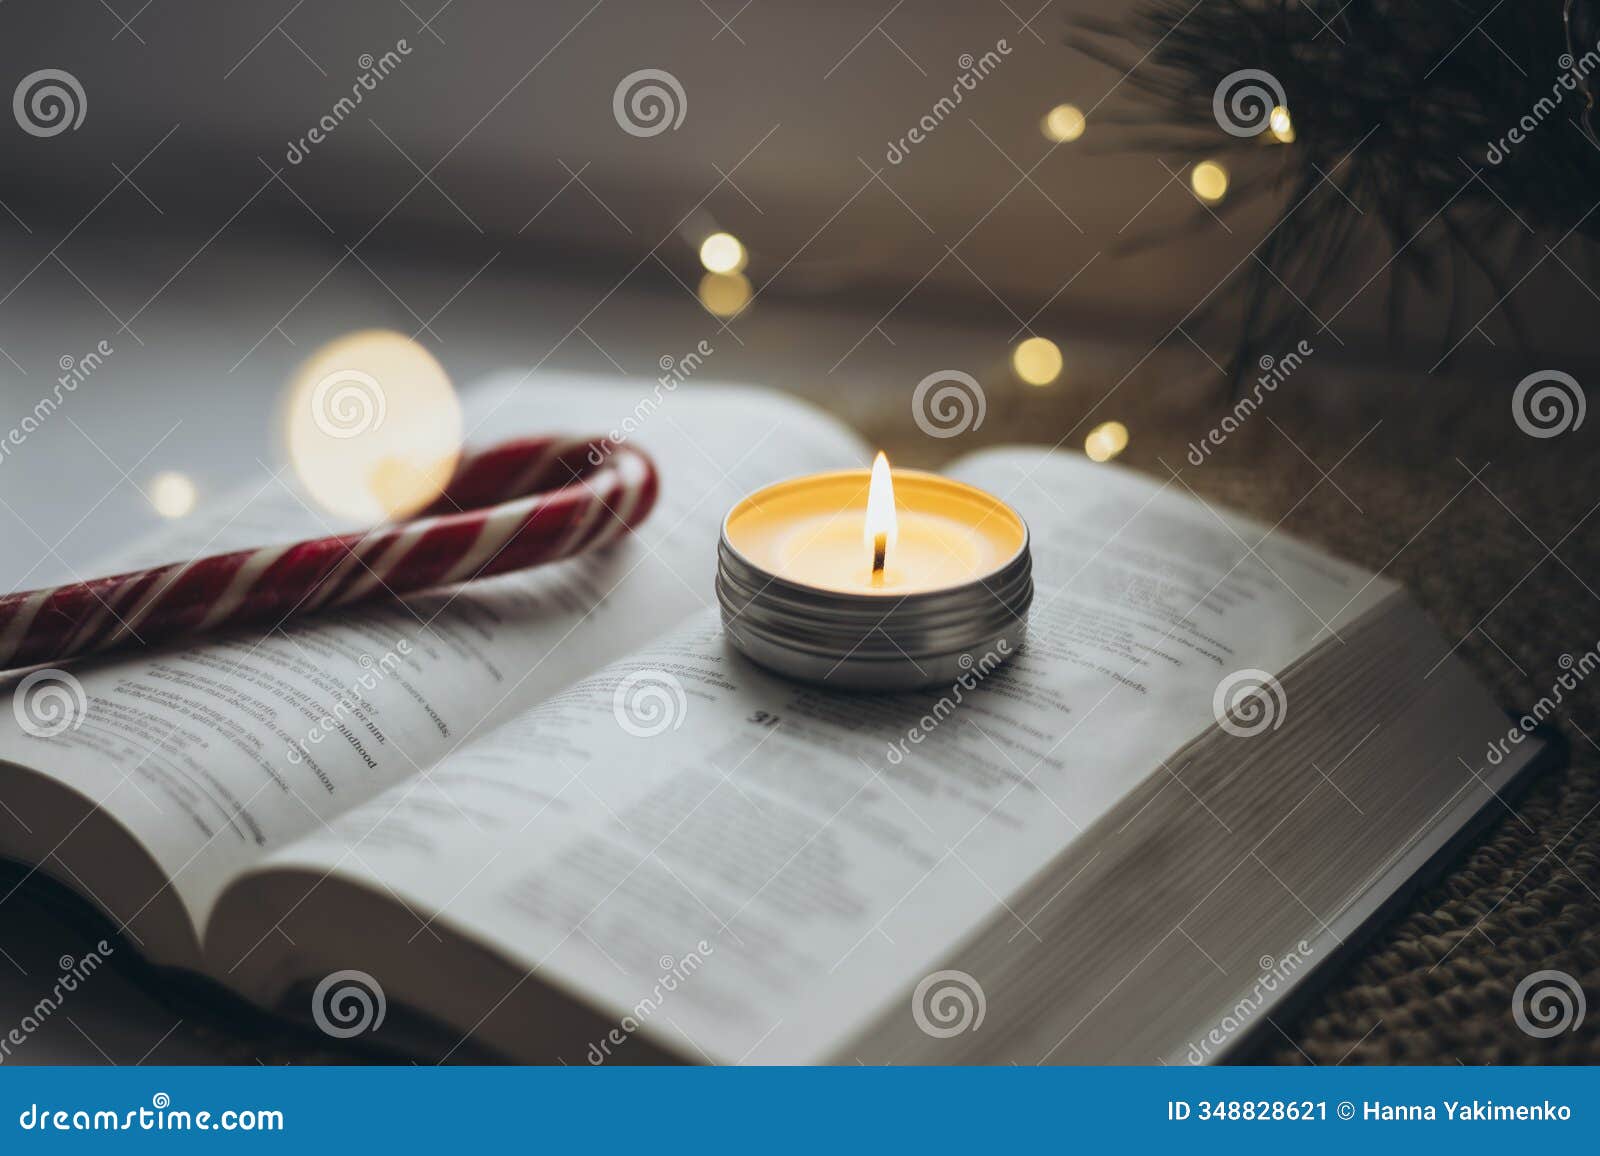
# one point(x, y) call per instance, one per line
point(880, 550)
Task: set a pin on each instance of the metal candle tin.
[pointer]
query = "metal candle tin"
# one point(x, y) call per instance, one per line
point(873, 641)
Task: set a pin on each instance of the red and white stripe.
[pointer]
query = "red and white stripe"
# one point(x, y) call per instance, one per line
point(516, 505)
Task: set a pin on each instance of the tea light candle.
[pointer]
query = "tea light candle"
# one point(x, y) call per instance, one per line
point(874, 580)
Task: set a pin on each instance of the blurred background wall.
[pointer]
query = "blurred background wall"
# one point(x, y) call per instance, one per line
point(496, 134)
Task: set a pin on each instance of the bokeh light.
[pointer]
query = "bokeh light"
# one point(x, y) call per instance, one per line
point(723, 253)
point(373, 426)
point(172, 494)
point(1282, 124)
point(1105, 441)
point(1037, 361)
point(1063, 123)
point(1209, 181)
point(724, 294)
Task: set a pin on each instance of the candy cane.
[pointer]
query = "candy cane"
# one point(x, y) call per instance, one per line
point(516, 505)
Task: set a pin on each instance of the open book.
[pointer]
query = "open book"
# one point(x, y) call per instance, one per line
point(554, 814)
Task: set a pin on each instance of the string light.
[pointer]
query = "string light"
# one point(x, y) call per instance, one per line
point(724, 294)
point(1105, 441)
point(1037, 361)
point(1209, 181)
point(1282, 124)
point(1063, 123)
point(172, 494)
point(723, 253)
point(372, 426)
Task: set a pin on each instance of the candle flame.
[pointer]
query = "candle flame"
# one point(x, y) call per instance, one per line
point(882, 527)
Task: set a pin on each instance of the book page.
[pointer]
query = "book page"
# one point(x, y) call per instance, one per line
point(214, 753)
point(818, 852)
